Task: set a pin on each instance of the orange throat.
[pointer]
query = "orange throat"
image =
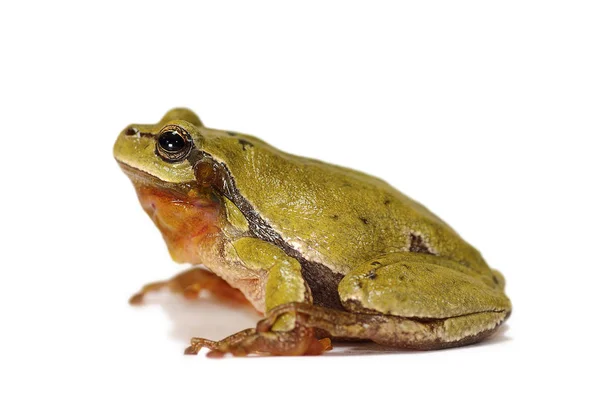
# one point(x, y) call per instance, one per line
point(189, 222)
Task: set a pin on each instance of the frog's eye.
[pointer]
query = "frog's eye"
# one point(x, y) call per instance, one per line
point(173, 144)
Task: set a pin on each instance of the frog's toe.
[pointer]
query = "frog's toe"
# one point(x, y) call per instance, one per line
point(191, 350)
point(138, 298)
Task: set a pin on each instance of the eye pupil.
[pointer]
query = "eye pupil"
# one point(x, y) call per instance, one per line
point(171, 141)
point(173, 144)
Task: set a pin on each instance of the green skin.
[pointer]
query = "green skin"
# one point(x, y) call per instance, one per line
point(327, 235)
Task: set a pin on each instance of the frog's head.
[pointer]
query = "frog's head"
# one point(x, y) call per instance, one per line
point(159, 160)
point(160, 150)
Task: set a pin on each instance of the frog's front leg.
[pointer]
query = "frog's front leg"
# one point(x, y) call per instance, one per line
point(190, 283)
point(287, 334)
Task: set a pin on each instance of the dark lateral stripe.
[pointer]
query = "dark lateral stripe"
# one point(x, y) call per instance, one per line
point(323, 282)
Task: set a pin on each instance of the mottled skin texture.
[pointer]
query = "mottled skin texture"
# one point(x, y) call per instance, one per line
point(321, 249)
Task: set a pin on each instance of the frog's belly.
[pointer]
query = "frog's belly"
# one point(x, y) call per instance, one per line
point(251, 283)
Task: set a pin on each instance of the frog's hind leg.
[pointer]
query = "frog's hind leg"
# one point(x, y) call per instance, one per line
point(407, 300)
point(190, 283)
point(383, 329)
point(421, 301)
point(406, 333)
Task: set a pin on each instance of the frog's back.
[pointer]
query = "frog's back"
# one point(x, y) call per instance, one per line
point(334, 215)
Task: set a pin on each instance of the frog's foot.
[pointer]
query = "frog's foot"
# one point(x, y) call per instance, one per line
point(301, 340)
point(190, 283)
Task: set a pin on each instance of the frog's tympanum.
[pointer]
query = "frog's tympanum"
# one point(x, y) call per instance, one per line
point(325, 252)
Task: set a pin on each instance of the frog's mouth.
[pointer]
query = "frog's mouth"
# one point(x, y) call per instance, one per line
point(143, 178)
point(186, 215)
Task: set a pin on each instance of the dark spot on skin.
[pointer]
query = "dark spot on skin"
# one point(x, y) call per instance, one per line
point(359, 284)
point(386, 202)
point(231, 133)
point(496, 281)
point(245, 144)
point(418, 245)
point(364, 220)
point(372, 275)
point(335, 217)
point(376, 264)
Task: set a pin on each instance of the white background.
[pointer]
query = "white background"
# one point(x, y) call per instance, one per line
point(486, 112)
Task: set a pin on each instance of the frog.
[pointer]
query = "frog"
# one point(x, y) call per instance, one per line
point(324, 252)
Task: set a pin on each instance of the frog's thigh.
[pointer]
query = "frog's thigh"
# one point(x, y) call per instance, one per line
point(439, 306)
point(284, 282)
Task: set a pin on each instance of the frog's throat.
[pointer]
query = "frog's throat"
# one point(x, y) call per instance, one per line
point(323, 282)
point(187, 216)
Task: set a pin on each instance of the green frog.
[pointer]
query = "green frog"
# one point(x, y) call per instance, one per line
point(325, 252)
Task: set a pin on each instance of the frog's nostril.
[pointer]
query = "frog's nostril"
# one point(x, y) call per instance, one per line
point(131, 131)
